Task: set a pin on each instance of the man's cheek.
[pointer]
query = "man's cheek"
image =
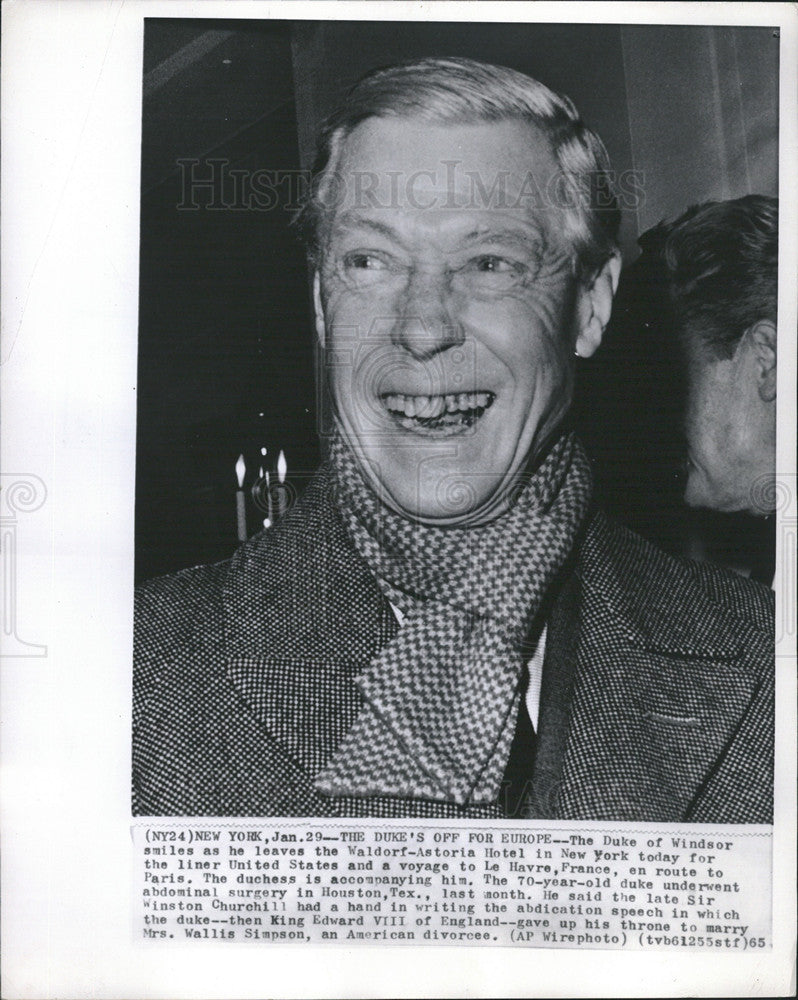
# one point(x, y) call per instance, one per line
point(369, 316)
point(356, 391)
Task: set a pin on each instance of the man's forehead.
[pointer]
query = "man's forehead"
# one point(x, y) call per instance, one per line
point(496, 172)
point(449, 157)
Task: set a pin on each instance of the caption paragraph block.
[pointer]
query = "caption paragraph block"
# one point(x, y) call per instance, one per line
point(312, 883)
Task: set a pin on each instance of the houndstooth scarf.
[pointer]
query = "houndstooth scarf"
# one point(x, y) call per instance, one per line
point(441, 699)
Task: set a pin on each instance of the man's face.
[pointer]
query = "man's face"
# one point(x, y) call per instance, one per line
point(730, 434)
point(447, 313)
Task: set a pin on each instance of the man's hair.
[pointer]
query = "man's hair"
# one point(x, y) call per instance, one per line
point(454, 91)
point(721, 260)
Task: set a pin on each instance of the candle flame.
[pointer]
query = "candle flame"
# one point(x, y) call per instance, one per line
point(282, 467)
point(263, 452)
point(241, 470)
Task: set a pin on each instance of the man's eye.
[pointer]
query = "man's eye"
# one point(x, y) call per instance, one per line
point(364, 262)
point(362, 268)
point(491, 274)
point(494, 265)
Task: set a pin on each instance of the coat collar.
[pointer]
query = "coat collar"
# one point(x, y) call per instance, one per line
point(660, 603)
point(659, 688)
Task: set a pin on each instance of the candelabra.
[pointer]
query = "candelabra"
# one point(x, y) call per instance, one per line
point(268, 492)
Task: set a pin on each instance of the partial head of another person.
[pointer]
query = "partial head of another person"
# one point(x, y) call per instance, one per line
point(722, 267)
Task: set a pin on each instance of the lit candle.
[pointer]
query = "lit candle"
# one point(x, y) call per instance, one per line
point(269, 511)
point(267, 521)
point(282, 499)
point(241, 511)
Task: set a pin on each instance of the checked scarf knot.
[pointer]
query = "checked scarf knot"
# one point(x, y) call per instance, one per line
point(441, 699)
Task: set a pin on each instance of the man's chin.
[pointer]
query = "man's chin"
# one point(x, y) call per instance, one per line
point(422, 483)
point(452, 501)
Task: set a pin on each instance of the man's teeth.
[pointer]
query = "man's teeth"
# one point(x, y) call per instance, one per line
point(430, 407)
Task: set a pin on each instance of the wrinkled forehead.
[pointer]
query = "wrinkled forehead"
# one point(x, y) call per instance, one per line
point(414, 166)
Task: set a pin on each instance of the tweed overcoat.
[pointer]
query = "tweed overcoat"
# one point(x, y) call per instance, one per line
point(244, 683)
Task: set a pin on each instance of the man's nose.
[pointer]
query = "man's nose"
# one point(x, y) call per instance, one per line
point(427, 324)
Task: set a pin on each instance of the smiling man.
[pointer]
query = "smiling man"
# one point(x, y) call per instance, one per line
point(459, 305)
point(444, 625)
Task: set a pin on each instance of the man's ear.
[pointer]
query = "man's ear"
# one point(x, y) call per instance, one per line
point(594, 306)
point(318, 310)
point(762, 336)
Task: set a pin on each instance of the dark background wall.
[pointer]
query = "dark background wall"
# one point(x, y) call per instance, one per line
point(223, 326)
point(225, 345)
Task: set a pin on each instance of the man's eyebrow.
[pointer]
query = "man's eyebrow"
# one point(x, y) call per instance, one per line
point(528, 237)
point(531, 237)
point(350, 220)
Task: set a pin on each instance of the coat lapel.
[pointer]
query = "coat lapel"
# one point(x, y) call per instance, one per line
point(658, 690)
point(303, 615)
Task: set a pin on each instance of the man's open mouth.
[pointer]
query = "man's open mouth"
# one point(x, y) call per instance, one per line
point(447, 414)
